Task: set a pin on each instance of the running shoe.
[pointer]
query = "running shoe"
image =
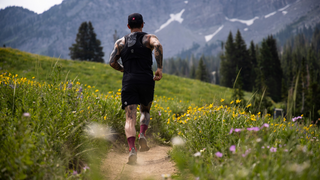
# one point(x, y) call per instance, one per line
point(143, 143)
point(132, 159)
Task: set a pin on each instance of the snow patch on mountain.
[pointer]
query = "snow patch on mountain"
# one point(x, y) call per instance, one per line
point(284, 12)
point(173, 17)
point(247, 22)
point(271, 14)
point(209, 37)
point(284, 8)
point(186, 2)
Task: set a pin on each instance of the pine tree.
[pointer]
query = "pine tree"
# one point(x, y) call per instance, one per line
point(202, 73)
point(87, 46)
point(243, 61)
point(254, 64)
point(270, 66)
point(228, 63)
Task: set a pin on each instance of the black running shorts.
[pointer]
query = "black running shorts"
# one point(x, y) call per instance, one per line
point(137, 94)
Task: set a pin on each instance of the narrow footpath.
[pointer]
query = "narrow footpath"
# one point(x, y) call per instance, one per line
point(152, 164)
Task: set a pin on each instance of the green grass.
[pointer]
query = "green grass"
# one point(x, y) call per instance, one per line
point(106, 79)
point(43, 124)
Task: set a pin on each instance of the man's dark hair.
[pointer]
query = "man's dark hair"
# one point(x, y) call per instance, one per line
point(135, 25)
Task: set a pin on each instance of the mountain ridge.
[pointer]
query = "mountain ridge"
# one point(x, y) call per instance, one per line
point(52, 32)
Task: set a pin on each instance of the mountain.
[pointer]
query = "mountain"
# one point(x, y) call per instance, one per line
point(180, 25)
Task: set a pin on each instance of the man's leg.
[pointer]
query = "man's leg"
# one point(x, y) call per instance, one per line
point(144, 122)
point(130, 130)
point(145, 117)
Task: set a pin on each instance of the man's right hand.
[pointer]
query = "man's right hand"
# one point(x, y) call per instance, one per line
point(158, 75)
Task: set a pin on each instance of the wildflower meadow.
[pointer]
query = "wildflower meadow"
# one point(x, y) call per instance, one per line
point(63, 128)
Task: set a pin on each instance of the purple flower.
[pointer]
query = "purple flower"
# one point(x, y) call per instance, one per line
point(74, 173)
point(268, 147)
point(26, 114)
point(285, 150)
point(69, 85)
point(80, 90)
point(218, 154)
point(86, 167)
point(231, 130)
point(273, 149)
point(265, 125)
point(232, 148)
point(280, 145)
point(159, 113)
point(246, 153)
point(262, 147)
point(237, 130)
point(253, 129)
point(296, 118)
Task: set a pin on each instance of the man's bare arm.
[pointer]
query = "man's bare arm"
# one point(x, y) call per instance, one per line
point(152, 42)
point(115, 55)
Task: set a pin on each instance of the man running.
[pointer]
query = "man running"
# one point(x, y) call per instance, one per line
point(135, 50)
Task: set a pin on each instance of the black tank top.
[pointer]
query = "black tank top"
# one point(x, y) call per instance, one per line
point(136, 60)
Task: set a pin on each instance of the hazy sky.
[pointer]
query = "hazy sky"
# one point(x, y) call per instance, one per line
point(38, 6)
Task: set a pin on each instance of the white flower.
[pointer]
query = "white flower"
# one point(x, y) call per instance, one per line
point(177, 141)
point(197, 154)
point(258, 140)
point(298, 168)
point(96, 130)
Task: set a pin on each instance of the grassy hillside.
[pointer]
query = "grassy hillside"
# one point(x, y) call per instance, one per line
point(104, 78)
point(60, 131)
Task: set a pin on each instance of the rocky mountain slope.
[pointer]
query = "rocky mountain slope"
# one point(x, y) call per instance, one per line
point(179, 24)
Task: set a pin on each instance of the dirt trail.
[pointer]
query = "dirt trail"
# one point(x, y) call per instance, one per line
point(150, 165)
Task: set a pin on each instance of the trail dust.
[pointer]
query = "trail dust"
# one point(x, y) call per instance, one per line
point(150, 165)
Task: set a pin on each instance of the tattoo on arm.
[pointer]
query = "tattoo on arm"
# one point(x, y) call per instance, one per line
point(158, 55)
point(158, 51)
point(146, 41)
point(115, 56)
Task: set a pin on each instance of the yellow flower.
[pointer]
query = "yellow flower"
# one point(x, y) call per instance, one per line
point(105, 117)
point(119, 89)
point(97, 90)
point(238, 101)
point(221, 100)
point(231, 102)
point(301, 115)
point(33, 77)
point(248, 105)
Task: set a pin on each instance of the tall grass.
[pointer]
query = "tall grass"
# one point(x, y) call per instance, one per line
point(43, 129)
point(104, 78)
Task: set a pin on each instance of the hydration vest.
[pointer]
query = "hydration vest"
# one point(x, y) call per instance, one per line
point(136, 60)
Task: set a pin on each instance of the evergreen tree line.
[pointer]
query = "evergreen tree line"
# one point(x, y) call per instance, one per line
point(258, 67)
point(301, 69)
point(266, 71)
point(204, 68)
